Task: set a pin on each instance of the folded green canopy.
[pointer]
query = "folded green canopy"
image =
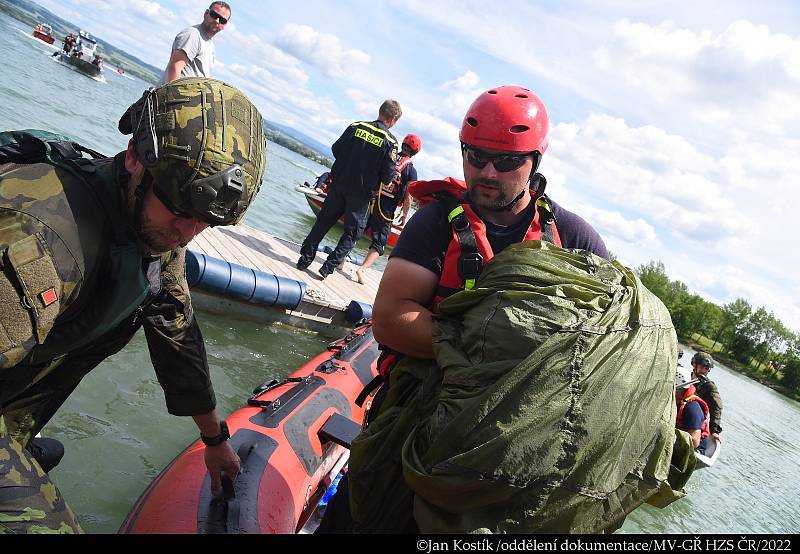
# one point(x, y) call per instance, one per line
point(549, 408)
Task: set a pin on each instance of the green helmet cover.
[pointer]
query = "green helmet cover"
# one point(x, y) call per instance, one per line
point(203, 143)
point(704, 359)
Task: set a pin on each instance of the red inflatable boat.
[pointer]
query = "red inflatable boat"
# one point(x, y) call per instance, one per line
point(292, 438)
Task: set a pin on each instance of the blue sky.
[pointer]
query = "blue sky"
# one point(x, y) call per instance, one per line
point(675, 126)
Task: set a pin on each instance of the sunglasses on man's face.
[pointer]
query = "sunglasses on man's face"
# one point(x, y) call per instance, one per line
point(478, 159)
point(216, 17)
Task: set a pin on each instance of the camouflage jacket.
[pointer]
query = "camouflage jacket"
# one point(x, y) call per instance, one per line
point(56, 253)
point(708, 391)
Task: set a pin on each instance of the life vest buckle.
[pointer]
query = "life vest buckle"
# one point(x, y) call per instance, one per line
point(470, 265)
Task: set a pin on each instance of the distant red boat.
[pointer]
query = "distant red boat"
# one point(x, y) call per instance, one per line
point(44, 32)
point(316, 197)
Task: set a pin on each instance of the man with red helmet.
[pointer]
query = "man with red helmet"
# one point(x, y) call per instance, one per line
point(460, 226)
point(389, 197)
point(502, 201)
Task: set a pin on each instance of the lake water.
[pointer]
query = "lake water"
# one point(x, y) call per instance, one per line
point(118, 435)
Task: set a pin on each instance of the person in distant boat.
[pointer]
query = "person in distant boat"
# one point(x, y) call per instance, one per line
point(693, 411)
point(69, 43)
point(323, 182)
point(96, 251)
point(98, 61)
point(193, 53)
point(364, 160)
point(389, 198)
point(702, 362)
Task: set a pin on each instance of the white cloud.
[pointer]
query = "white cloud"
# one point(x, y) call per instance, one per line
point(321, 50)
point(461, 92)
point(644, 170)
point(740, 80)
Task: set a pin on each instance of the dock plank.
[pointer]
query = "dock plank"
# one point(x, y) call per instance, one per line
point(325, 300)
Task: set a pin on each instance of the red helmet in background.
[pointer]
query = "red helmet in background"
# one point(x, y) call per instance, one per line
point(413, 142)
point(509, 118)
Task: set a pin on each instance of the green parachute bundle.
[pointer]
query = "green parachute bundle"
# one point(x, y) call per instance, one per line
point(549, 408)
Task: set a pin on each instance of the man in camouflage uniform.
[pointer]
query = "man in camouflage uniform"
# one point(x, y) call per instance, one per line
point(702, 362)
point(94, 249)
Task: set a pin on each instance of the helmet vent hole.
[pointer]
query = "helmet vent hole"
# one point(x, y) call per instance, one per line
point(520, 95)
point(519, 129)
point(472, 121)
point(491, 92)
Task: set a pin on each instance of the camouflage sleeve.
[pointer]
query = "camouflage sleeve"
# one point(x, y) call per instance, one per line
point(715, 407)
point(176, 343)
point(39, 278)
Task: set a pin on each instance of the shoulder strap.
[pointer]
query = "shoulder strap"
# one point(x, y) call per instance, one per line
point(470, 261)
point(546, 218)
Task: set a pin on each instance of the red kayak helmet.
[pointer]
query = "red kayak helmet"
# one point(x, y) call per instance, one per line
point(413, 142)
point(509, 118)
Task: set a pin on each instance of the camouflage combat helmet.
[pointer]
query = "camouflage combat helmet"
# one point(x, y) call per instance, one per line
point(202, 143)
point(704, 359)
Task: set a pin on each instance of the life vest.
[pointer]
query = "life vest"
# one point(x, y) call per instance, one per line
point(469, 248)
point(391, 189)
point(392, 193)
point(106, 311)
point(704, 428)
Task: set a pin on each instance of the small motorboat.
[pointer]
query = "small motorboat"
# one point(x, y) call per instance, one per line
point(44, 32)
point(711, 454)
point(293, 439)
point(315, 198)
point(84, 56)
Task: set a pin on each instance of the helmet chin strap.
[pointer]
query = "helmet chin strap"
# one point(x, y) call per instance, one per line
point(509, 206)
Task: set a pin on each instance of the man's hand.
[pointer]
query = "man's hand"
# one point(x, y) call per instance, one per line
point(218, 459)
point(716, 436)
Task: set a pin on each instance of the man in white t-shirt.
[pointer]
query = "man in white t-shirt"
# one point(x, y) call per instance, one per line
point(192, 50)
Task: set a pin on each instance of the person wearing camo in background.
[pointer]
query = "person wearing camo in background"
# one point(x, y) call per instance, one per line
point(702, 362)
point(92, 250)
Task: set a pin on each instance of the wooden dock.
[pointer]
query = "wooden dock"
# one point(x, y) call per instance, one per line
point(324, 302)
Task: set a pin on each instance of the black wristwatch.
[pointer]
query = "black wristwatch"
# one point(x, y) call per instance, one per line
point(224, 435)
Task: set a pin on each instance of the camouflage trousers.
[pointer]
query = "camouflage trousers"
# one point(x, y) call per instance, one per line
point(29, 501)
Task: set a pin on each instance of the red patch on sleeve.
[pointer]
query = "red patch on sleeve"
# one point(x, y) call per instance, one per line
point(49, 296)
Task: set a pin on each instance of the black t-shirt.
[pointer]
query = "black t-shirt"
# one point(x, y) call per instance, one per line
point(427, 234)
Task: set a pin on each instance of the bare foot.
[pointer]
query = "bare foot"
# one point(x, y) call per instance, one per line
point(359, 276)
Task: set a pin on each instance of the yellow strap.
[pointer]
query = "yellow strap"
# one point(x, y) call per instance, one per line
point(469, 284)
point(455, 213)
point(380, 210)
point(544, 204)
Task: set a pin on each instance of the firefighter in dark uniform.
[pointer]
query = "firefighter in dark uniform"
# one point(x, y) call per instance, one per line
point(94, 249)
point(389, 198)
point(365, 158)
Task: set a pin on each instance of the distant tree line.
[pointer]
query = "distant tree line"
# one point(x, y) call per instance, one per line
point(295, 146)
point(749, 339)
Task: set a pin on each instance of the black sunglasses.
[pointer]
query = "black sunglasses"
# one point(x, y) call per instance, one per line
point(478, 158)
point(214, 15)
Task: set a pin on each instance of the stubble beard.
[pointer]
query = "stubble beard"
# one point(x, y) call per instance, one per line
point(490, 201)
